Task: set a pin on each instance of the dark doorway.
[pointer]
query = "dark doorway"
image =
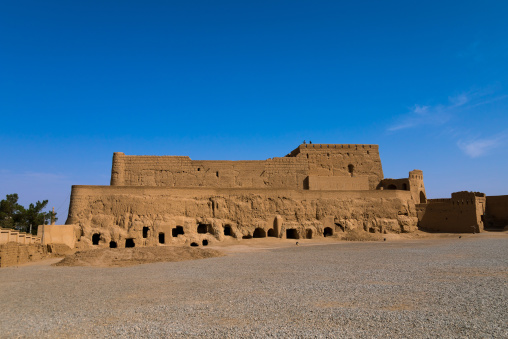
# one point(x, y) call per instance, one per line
point(328, 232)
point(162, 238)
point(227, 230)
point(205, 242)
point(350, 169)
point(423, 199)
point(112, 244)
point(177, 230)
point(96, 237)
point(194, 244)
point(145, 232)
point(392, 187)
point(259, 233)
point(129, 242)
point(271, 233)
point(292, 234)
point(404, 186)
point(248, 236)
point(308, 234)
point(202, 228)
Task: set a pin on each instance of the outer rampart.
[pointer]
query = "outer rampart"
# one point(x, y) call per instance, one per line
point(151, 214)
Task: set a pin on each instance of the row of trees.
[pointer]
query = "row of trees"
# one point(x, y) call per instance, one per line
point(13, 215)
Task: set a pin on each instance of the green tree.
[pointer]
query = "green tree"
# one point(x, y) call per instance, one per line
point(13, 215)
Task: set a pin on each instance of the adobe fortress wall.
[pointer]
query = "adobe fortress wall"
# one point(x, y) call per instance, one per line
point(148, 214)
point(290, 172)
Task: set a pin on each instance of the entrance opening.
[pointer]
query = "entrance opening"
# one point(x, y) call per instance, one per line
point(259, 233)
point(177, 230)
point(271, 233)
point(392, 187)
point(96, 237)
point(145, 232)
point(404, 186)
point(248, 236)
point(129, 242)
point(112, 244)
point(194, 244)
point(292, 234)
point(162, 238)
point(423, 199)
point(205, 242)
point(202, 228)
point(308, 234)
point(227, 230)
point(328, 232)
point(350, 169)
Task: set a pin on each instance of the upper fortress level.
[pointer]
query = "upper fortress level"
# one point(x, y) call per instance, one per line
point(309, 166)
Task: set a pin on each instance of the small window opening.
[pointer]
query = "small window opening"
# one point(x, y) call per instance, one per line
point(177, 230)
point(271, 233)
point(162, 238)
point(96, 237)
point(308, 234)
point(203, 228)
point(350, 168)
point(292, 234)
point(112, 244)
point(328, 232)
point(145, 232)
point(194, 244)
point(227, 230)
point(205, 242)
point(199, 169)
point(217, 174)
point(129, 242)
point(259, 233)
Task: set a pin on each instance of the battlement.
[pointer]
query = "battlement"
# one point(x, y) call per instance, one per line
point(338, 148)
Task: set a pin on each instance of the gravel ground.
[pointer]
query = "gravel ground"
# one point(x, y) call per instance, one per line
point(425, 289)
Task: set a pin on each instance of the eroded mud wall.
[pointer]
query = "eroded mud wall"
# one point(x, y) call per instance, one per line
point(143, 213)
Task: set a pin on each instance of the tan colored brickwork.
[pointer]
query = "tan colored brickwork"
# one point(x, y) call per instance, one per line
point(13, 253)
point(283, 172)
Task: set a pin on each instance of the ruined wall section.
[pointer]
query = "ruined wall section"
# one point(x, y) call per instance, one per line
point(463, 213)
point(119, 213)
point(496, 213)
point(413, 183)
point(288, 172)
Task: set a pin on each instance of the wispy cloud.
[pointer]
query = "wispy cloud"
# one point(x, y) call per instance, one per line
point(481, 146)
point(430, 115)
point(440, 114)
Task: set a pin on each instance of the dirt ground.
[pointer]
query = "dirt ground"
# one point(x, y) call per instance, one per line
point(107, 257)
point(144, 255)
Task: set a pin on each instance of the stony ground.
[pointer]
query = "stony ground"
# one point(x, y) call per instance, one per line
point(427, 288)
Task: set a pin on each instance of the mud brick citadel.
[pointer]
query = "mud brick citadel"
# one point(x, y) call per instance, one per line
point(317, 190)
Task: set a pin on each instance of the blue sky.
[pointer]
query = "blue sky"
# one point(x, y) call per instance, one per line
point(79, 80)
